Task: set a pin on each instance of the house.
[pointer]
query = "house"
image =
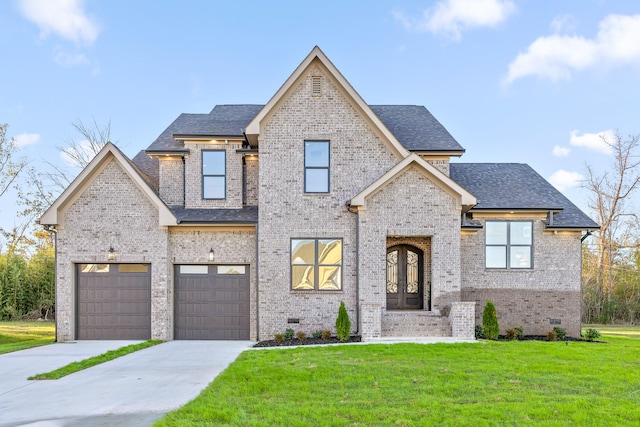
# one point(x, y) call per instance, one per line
point(251, 219)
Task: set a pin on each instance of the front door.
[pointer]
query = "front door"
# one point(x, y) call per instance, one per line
point(404, 278)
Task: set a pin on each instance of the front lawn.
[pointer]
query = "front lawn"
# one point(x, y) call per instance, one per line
point(16, 336)
point(480, 384)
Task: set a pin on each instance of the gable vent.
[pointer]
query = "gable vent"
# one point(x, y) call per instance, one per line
point(315, 87)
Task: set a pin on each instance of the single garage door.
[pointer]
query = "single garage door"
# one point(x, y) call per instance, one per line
point(212, 302)
point(114, 301)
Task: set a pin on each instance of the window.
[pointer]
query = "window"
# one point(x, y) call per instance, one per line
point(214, 181)
point(508, 244)
point(316, 166)
point(316, 264)
point(194, 269)
point(231, 269)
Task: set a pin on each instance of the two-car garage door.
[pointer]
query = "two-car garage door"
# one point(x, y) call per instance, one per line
point(114, 302)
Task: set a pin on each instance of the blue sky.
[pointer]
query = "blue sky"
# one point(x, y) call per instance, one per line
point(523, 81)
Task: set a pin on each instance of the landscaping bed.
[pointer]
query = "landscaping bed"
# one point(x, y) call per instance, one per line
point(308, 341)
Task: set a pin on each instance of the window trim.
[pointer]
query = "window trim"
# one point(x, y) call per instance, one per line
point(214, 175)
point(316, 265)
point(508, 245)
point(327, 168)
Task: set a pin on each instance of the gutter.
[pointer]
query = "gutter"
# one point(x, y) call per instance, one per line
point(357, 212)
point(52, 229)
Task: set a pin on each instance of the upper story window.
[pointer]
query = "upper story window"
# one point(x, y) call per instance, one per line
point(316, 264)
point(316, 166)
point(508, 244)
point(214, 169)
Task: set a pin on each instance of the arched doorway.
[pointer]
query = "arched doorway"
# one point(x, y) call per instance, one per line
point(405, 288)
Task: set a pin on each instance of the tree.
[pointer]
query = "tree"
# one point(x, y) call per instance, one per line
point(611, 192)
point(490, 321)
point(79, 152)
point(343, 324)
point(10, 167)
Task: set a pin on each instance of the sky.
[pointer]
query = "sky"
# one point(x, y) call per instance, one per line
point(519, 81)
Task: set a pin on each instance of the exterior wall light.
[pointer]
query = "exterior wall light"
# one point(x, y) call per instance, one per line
point(211, 254)
point(111, 254)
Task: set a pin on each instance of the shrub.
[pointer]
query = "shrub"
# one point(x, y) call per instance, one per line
point(279, 337)
point(591, 334)
point(513, 334)
point(490, 322)
point(288, 334)
point(316, 334)
point(326, 334)
point(520, 332)
point(301, 335)
point(552, 335)
point(479, 332)
point(561, 333)
point(343, 324)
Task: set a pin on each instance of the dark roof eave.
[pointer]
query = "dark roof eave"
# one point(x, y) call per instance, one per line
point(167, 151)
point(229, 223)
point(456, 153)
point(183, 136)
point(506, 210)
point(571, 227)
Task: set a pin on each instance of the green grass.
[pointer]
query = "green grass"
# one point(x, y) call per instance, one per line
point(95, 360)
point(16, 336)
point(481, 384)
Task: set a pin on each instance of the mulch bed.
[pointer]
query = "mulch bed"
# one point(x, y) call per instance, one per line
point(308, 341)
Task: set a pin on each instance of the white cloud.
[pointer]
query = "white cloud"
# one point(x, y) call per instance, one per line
point(563, 23)
point(451, 17)
point(65, 18)
point(559, 151)
point(593, 141)
point(83, 147)
point(555, 57)
point(66, 59)
point(27, 139)
point(563, 179)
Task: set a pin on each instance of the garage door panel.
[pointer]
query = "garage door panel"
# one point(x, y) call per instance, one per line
point(111, 304)
point(211, 306)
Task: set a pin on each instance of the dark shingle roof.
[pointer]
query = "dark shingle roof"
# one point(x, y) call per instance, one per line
point(416, 128)
point(412, 125)
point(223, 120)
point(245, 215)
point(514, 186)
point(149, 168)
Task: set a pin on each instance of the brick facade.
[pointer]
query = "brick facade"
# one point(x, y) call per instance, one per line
point(527, 298)
point(103, 217)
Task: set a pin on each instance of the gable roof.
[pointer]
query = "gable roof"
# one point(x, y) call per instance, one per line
point(516, 186)
point(443, 181)
point(52, 215)
point(317, 56)
point(416, 128)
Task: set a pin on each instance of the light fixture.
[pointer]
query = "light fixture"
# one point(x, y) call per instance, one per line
point(211, 253)
point(111, 254)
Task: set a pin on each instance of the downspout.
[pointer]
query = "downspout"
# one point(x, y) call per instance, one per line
point(184, 182)
point(357, 212)
point(51, 229)
point(257, 285)
point(244, 180)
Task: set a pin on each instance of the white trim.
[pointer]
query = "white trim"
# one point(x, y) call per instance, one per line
point(437, 176)
point(53, 215)
point(254, 128)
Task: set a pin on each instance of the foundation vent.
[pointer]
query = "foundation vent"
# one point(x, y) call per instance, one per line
point(315, 86)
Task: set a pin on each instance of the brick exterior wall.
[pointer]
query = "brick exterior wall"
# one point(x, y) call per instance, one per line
point(171, 181)
point(462, 318)
point(193, 171)
point(527, 298)
point(232, 246)
point(251, 170)
point(358, 157)
point(411, 205)
point(112, 212)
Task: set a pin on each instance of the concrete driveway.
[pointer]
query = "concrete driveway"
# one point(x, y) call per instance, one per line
point(133, 390)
